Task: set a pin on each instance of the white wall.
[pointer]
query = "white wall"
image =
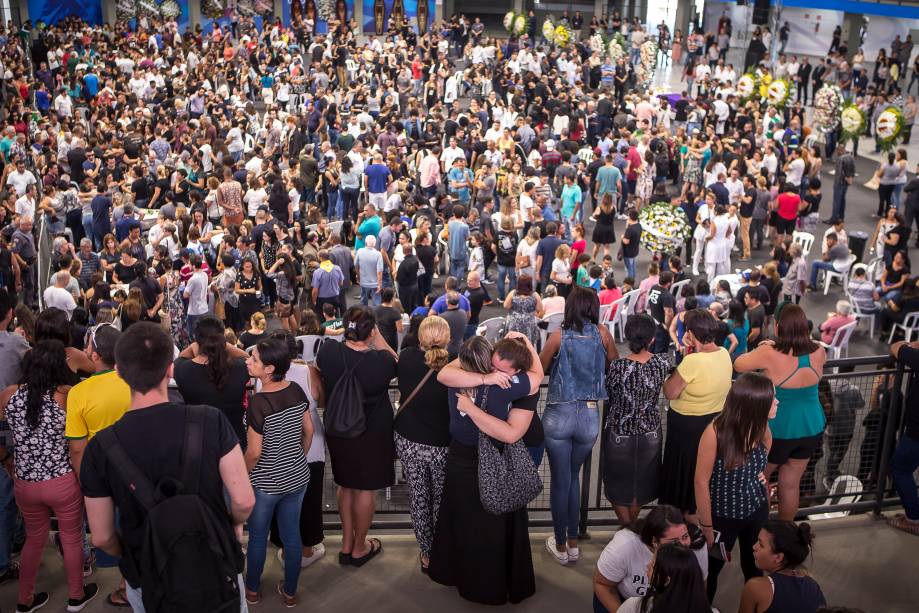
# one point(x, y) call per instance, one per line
point(882, 30)
point(811, 30)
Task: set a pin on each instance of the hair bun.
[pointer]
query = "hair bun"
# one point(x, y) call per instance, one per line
point(804, 533)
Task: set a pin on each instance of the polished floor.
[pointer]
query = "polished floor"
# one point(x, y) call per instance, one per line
point(858, 561)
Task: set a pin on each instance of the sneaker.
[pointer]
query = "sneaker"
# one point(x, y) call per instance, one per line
point(574, 553)
point(10, 574)
point(306, 561)
point(560, 557)
point(289, 601)
point(622, 217)
point(89, 592)
point(253, 597)
point(39, 599)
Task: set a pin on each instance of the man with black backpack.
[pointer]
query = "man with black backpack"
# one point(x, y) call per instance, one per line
point(165, 468)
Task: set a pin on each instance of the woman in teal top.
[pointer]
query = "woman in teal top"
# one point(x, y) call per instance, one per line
point(794, 362)
point(739, 326)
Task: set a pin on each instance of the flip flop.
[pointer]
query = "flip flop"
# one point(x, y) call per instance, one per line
point(344, 558)
point(375, 548)
point(120, 595)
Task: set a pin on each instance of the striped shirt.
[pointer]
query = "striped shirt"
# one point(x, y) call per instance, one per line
point(738, 493)
point(278, 417)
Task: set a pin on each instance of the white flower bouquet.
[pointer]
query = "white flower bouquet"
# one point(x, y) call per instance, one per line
point(548, 30)
point(170, 10)
point(615, 50)
point(828, 103)
point(509, 21)
point(644, 72)
point(746, 86)
point(148, 8)
point(521, 22)
point(664, 227)
point(125, 10)
point(597, 44)
point(889, 126)
point(853, 122)
point(780, 92)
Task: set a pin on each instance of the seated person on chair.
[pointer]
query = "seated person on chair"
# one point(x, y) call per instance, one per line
point(896, 310)
point(833, 259)
point(835, 320)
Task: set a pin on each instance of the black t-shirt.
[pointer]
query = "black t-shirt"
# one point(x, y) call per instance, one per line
point(760, 291)
point(387, 318)
point(757, 318)
point(746, 208)
point(910, 357)
point(196, 386)
point(658, 300)
point(813, 202)
point(153, 438)
point(633, 233)
point(426, 255)
point(247, 339)
point(375, 369)
point(426, 419)
point(902, 232)
point(141, 189)
point(477, 298)
point(534, 436)
point(125, 274)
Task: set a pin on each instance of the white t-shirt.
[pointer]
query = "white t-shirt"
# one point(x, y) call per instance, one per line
point(255, 198)
point(625, 561)
point(60, 298)
point(20, 180)
point(795, 172)
point(526, 207)
point(633, 605)
point(196, 291)
point(561, 270)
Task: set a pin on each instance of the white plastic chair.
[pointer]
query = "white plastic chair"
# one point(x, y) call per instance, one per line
point(631, 301)
point(605, 310)
point(840, 343)
point(909, 326)
point(846, 489)
point(491, 329)
point(335, 227)
point(860, 314)
point(312, 227)
point(616, 323)
point(250, 349)
point(677, 288)
point(842, 275)
point(311, 343)
point(805, 239)
point(874, 270)
point(554, 322)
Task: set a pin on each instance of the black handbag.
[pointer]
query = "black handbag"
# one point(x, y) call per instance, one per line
point(508, 479)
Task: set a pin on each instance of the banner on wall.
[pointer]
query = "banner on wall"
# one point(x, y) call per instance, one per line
point(377, 14)
point(52, 11)
point(320, 11)
point(225, 12)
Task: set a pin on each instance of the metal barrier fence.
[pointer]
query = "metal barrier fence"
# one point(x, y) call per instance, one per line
point(863, 402)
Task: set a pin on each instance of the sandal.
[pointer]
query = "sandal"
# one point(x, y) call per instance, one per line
point(344, 558)
point(375, 548)
point(119, 599)
point(900, 522)
point(424, 569)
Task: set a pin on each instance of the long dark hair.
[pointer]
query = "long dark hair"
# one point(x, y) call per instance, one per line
point(675, 584)
point(212, 344)
point(792, 333)
point(654, 525)
point(582, 306)
point(793, 541)
point(44, 369)
point(742, 423)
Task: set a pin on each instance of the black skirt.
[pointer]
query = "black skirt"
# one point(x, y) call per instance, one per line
point(632, 467)
point(680, 451)
point(486, 557)
point(603, 234)
point(363, 463)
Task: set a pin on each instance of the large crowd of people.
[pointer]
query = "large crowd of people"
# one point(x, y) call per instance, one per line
point(213, 203)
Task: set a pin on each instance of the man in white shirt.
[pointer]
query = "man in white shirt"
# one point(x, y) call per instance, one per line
point(63, 105)
point(735, 187)
point(58, 296)
point(450, 154)
point(196, 294)
point(722, 112)
point(20, 178)
point(794, 168)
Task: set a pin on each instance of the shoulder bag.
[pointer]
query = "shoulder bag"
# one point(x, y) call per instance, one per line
point(508, 479)
point(403, 404)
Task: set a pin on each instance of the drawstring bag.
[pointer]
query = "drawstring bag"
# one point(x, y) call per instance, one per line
point(508, 479)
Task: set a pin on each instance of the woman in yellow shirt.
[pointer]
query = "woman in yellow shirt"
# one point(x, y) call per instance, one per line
point(696, 390)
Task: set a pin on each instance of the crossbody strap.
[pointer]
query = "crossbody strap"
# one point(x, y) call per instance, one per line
point(415, 391)
point(138, 483)
point(193, 448)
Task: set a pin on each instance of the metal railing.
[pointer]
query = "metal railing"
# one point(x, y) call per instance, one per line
point(862, 430)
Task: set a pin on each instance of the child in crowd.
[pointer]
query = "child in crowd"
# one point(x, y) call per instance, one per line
point(331, 324)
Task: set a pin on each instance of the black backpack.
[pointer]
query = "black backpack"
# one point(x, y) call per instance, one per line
point(190, 560)
point(344, 410)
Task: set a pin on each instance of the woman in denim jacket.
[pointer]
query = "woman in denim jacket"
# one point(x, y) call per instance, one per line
point(578, 354)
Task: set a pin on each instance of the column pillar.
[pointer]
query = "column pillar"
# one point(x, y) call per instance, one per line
point(599, 5)
point(518, 6)
point(108, 11)
point(359, 16)
point(278, 7)
point(194, 15)
point(439, 9)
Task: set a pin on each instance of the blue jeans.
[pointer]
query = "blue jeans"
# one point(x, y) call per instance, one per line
point(190, 322)
point(333, 211)
point(903, 465)
point(458, 269)
point(897, 195)
point(136, 597)
point(629, 266)
point(839, 201)
point(818, 266)
point(536, 453)
point(571, 430)
point(349, 197)
point(9, 514)
point(370, 294)
point(511, 273)
point(287, 506)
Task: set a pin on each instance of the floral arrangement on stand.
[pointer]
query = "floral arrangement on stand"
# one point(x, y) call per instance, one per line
point(763, 81)
point(516, 23)
point(148, 8)
point(125, 10)
point(644, 72)
point(888, 128)
point(828, 103)
point(615, 49)
point(780, 92)
point(747, 87)
point(214, 8)
point(853, 121)
point(548, 30)
point(325, 9)
point(597, 44)
point(170, 10)
point(665, 228)
point(562, 35)
point(245, 8)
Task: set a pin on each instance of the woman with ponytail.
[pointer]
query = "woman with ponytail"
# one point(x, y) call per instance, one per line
point(675, 584)
point(422, 427)
point(213, 372)
point(780, 551)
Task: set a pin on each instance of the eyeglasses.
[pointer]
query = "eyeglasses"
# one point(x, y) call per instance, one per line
point(91, 334)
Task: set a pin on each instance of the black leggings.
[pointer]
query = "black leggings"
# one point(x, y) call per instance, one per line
point(746, 531)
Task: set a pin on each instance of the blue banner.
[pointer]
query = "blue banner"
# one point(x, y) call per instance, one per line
point(294, 11)
point(52, 11)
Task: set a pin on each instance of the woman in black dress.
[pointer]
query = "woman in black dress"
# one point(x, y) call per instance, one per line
point(363, 464)
point(487, 557)
point(604, 234)
point(248, 287)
